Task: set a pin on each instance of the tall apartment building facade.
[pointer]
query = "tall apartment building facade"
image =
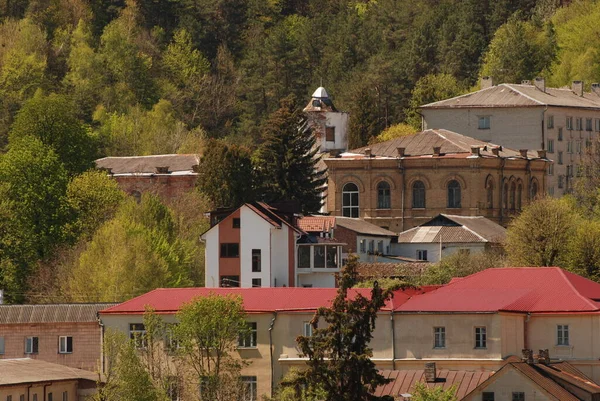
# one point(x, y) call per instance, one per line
point(563, 121)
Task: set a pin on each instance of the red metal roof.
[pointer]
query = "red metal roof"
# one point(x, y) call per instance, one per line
point(515, 289)
point(170, 300)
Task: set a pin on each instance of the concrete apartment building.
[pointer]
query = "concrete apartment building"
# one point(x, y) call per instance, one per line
point(65, 334)
point(404, 182)
point(480, 322)
point(562, 121)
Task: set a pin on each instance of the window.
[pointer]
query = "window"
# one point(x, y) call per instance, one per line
point(350, 200)
point(383, 195)
point(230, 250)
point(363, 246)
point(505, 196)
point(49, 397)
point(316, 103)
point(65, 396)
point(562, 334)
point(330, 134)
point(31, 345)
point(249, 339)
point(237, 223)
point(578, 124)
point(319, 256)
point(380, 247)
point(484, 122)
point(453, 194)
point(307, 329)
point(588, 124)
point(560, 157)
point(439, 337)
point(171, 340)
point(65, 345)
point(35, 397)
point(578, 146)
point(306, 285)
point(551, 169)
point(551, 191)
point(418, 190)
point(304, 257)
point(518, 396)
point(519, 195)
point(250, 393)
point(173, 388)
point(489, 188)
point(597, 124)
point(9, 398)
point(550, 122)
point(230, 281)
point(332, 256)
point(513, 195)
point(256, 260)
point(137, 334)
point(1, 345)
point(550, 146)
point(421, 254)
point(487, 396)
point(22, 397)
point(480, 337)
point(560, 134)
point(569, 146)
point(371, 246)
point(561, 180)
point(569, 123)
point(256, 283)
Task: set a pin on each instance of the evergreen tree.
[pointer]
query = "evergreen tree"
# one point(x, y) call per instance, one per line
point(339, 355)
point(287, 163)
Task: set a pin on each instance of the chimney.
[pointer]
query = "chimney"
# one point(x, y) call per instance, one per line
point(430, 372)
point(525, 82)
point(527, 356)
point(368, 152)
point(401, 151)
point(541, 154)
point(596, 88)
point(496, 151)
point(162, 170)
point(523, 153)
point(540, 83)
point(577, 88)
point(486, 82)
point(436, 150)
point(475, 150)
point(544, 357)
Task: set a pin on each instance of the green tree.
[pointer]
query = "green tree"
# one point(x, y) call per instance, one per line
point(460, 265)
point(287, 162)
point(339, 357)
point(422, 392)
point(208, 332)
point(430, 88)
point(52, 120)
point(584, 250)
point(540, 235)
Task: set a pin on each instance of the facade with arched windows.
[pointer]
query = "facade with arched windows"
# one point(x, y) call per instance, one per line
point(401, 183)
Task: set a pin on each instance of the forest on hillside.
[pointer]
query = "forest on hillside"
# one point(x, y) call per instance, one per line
point(82, 79)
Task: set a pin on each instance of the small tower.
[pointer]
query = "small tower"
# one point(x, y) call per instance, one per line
point(328, 125)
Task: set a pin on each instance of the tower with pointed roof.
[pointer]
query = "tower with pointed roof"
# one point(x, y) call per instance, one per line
point(327, 124)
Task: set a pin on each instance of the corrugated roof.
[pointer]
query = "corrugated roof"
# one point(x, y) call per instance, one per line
point(363, 227)
point(421, 144)
point(170, 300)
point(484, 227)
point(54, 313)
point(177, 164)
point(404, 381)
point(515, 289)
point(321, 224)
point(519, 95)
point(455, 229)
point(17, 371)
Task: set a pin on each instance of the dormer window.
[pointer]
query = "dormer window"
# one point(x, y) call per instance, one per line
point(316, 103)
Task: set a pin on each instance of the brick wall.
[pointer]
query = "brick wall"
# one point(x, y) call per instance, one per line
point(342, 234)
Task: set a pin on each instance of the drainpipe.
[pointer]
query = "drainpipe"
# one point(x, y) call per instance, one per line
point(501, 185)
point(393, 341)
point(403, 172)
point(271, 352)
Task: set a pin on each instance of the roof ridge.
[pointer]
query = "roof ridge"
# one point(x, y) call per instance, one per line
point(459, 96)
point(476, 234)
point(524, 95)
point(586, 299)
point(440, 134)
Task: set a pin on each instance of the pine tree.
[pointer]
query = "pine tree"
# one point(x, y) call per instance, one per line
point(287, 161)
point(339, 356)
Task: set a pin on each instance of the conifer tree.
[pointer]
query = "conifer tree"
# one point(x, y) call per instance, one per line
point(287, 161)
point(339, 355)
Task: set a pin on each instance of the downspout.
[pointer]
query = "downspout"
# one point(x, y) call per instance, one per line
point(271, 352)
point(501, 185)
point(393, 340)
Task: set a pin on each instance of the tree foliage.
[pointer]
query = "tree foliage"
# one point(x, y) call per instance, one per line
point(422, 392)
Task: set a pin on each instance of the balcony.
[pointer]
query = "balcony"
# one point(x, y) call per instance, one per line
point(322, 257)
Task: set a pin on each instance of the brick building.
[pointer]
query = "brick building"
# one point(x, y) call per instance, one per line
point(65, 334)
point(167, 176)
point(403, 182)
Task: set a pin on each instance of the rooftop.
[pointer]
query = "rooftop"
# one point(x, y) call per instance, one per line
point(455, 229)
point(52, 313)
point(327, 223)
point(145, 165)
point(320, 224)
point(18, 371)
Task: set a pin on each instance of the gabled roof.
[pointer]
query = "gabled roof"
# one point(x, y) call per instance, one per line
point(53, 313)
point(360, 226)
point(421, 144)
point(455, 229)
point(145, 165)
point(25, 370)
point(512, 289)
point(320, 224)
point(256, 300)
point(519, 95)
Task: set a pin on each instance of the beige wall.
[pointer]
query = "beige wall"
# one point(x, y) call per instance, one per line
point(508, 381)
point(42, 391)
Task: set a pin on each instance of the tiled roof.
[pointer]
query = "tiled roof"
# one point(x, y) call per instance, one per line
point(55, 313)
point(403, 381)
point(422, 143)
point(518, 95)
point(170, 300)
point(363, 227)
point(134, 165)
point(24, 370)
point(515, 289)
point(455, 229)
point(321, 224)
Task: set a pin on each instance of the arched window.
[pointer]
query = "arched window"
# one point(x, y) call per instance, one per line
point(350, 200)
point(383, 195)
point(489, 187)
point(453, 194)
point(519, 195)
point(418, 192)
point(534, 189)
point(513, 191)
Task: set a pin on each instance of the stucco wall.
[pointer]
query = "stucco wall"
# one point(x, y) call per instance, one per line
point(255, 233)
point(42, 390)
point(409, 250)
point(211, 258)
point(507, 382)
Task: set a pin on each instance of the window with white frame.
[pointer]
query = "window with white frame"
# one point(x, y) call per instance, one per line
point(550, 147)
point(256, 260)
point(579, 124)
point(421, 254)
point(363, 246)
point(350, 207)
point(569, 123)
point(137, 334)
point(250, 388)
point(439, 337)
point(248, 340)
point(481, 337)
point(31, 345)
point(569, 146)
point(562, 334)
point(550, 121)
point(307, 329)
point(65, 345)
point(484, 122)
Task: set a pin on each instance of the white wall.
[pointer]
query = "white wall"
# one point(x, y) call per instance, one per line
point(317, 280)
point(211, 258)
point(364, 256)
point(280, 256)
point(339, 120)
point(255, 233)
point(433, 249)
